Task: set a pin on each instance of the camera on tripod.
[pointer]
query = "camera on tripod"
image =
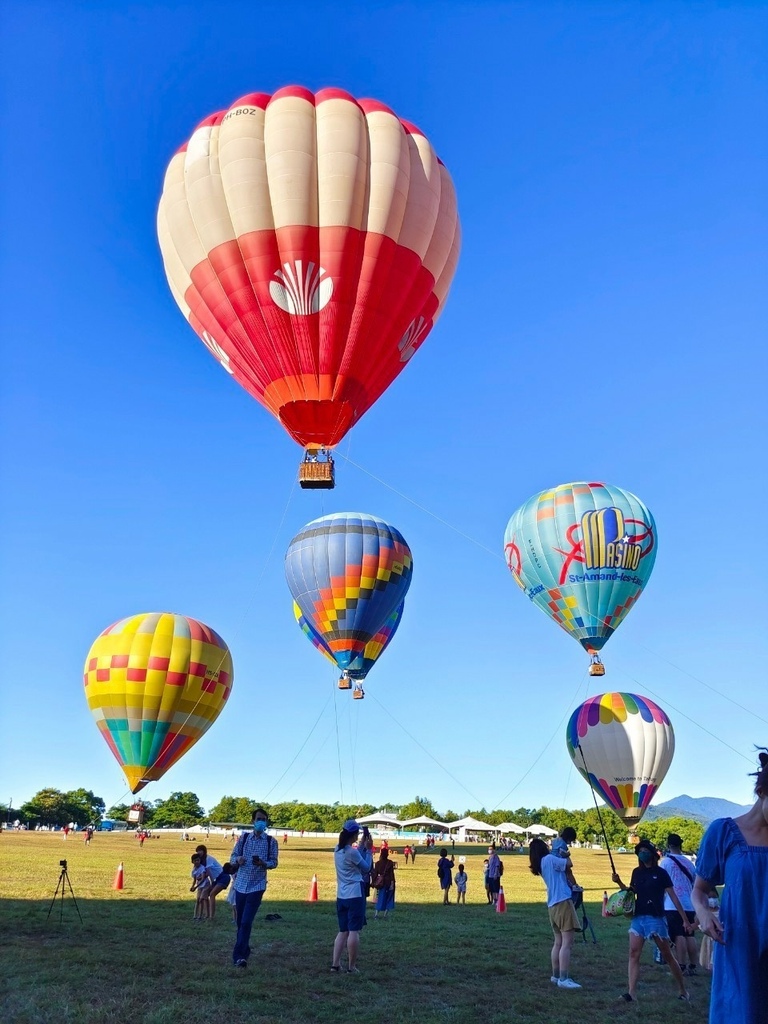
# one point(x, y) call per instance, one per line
point(63, 864)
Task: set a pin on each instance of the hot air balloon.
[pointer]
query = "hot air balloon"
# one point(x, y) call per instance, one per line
point(627, 743)
point(583, 552)
point(310, 240)
point(155, 683)
point(362, 664)
point(349, 573)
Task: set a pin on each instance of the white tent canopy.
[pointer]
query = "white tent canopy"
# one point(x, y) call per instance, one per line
point(380, 818)
point(510, 826)
point(472, 825)
point(541, 830)
point(424, 820)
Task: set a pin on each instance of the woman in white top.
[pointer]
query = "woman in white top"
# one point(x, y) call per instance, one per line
point(562, 914)
point(352, 865)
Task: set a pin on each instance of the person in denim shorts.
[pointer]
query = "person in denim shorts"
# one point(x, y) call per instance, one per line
point(649, 883)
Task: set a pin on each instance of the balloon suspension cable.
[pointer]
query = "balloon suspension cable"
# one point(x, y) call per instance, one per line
point(599, 815)
point(480, 803)
point(303, 745)
point(422, 508)
point(239, 626)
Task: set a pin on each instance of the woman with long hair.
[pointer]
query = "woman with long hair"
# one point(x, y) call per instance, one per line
point(383, 881)
point(562, 914)
point(352, 866)
point(734, 853)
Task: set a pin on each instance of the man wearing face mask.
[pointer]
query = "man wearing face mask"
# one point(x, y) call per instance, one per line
point(256, 853)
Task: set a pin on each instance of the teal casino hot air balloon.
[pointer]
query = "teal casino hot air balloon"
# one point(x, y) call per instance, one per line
point(583, 552)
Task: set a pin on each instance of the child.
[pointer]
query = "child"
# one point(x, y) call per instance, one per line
point(201, 884)
point(560, 849)
point(232, 899)
point(461, 885)
point(488, 892)
point(705, 952)
point(220, 883)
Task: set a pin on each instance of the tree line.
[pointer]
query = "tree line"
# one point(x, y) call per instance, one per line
point(52, 807)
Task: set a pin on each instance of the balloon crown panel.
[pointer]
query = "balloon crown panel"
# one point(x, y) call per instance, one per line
point(310, 240)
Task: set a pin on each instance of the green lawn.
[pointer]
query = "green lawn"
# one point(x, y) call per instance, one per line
point(138, 956)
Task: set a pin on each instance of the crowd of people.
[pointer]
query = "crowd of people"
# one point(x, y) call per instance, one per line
point(672, 898)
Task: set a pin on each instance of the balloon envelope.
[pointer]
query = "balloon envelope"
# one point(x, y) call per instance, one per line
point(627, 742)
point(155, 683)
point(310, 240)
point(360, 666)
point(348, 573)
point(582, 552)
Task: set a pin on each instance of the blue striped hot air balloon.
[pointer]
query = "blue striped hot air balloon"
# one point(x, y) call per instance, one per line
point(583, 552)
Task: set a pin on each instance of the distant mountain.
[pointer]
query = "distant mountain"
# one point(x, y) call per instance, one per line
point(700, 808)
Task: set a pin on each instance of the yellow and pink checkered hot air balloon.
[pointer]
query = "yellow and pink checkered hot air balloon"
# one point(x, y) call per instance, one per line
point(155, 683)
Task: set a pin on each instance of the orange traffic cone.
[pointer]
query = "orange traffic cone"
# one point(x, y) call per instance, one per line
point(119, 877)
point(605, 902)
point(312, 898)
point(501, 903)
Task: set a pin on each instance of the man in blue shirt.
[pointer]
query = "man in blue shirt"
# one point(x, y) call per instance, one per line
point(256, 853)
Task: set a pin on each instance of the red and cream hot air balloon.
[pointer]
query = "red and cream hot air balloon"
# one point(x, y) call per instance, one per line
point(310, 239)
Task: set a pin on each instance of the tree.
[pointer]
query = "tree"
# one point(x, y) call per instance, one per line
point(179, 811)
point(48, 807)
point(236, 809)
point(118, 813)
point(84, 806)
point(657, 831)
point(419, 807)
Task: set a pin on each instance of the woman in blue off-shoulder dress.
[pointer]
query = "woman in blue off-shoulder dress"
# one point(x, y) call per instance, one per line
point(734, 854)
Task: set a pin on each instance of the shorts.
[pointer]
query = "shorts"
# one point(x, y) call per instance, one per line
point(494, 884)
point(675, 923)
point(563, 917)
point(222, 881)
point(351, 914)
point(646, 927)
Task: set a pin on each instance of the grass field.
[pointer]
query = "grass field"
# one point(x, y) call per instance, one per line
point(138, 956)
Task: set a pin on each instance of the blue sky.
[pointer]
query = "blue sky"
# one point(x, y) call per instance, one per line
point(607, 321)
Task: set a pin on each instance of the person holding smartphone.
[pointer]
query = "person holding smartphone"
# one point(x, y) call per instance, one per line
point(353, 864)
point(255, 853)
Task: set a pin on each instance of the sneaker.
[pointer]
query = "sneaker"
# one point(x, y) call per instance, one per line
point(567, 983)
point(554, 979)
point(241, 963)
point(685, 998)
point(335, 970)
point(627, 998)
point(352, 970)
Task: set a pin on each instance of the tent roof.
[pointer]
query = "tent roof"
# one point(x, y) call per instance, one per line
point(481, 826)
point(510, 826)
point(381, 818)
point(423, 820)
point(541, 830)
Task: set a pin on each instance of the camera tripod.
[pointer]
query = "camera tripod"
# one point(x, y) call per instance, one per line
point(61, 888)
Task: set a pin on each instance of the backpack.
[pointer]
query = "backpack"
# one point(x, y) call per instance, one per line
point(501, 868)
